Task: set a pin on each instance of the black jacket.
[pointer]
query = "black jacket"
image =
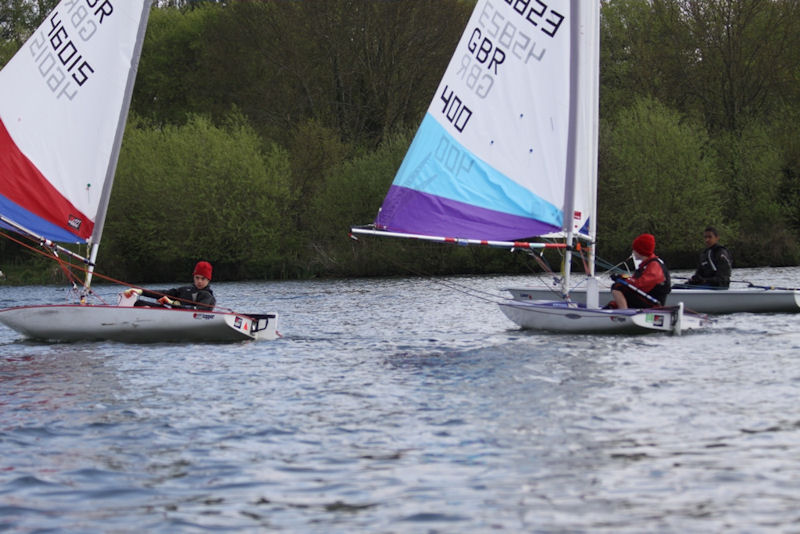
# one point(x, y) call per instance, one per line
point(715, 268)
point(204, 297)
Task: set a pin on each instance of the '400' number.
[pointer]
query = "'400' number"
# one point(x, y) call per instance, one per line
point(456, 112)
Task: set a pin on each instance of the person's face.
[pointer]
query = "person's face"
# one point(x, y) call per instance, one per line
point(710, 239)
point(200, 281)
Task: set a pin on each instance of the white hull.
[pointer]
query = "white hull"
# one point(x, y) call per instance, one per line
point(66, 322)
point(751, 300)
point(555, 316)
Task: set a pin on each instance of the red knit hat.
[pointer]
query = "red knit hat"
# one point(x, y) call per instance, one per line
point(203, 268)
point(645, 244)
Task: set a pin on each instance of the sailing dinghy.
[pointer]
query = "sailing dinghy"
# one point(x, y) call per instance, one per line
point(507, 151)
point(753, 299)
point(64, 100)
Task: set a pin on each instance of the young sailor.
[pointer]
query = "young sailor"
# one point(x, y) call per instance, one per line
point(196, 296)
point(651, 277)
point(716, 263)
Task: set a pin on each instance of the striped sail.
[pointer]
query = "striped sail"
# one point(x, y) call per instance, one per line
point(489, 160)
point(63, 104)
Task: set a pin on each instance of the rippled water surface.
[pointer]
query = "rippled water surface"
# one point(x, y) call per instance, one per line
point(404, 405)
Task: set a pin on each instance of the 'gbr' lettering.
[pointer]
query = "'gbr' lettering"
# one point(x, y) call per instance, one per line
point(483, 50)
point(86, 20)
point(456, 112)
point(100, 9)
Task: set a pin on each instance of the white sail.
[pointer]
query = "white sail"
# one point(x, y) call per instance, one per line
point(65, 97)
point(489, 159)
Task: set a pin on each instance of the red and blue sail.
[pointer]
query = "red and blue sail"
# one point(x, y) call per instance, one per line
point(61, 100)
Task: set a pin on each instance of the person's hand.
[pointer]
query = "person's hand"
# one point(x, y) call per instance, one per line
point(128, 293)
point(165, 300)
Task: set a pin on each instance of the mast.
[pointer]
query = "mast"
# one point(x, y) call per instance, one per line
point(112, 162)
point(593, 31)
point(592, 34)
point(572, 137)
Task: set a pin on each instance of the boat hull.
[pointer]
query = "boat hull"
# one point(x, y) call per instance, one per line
point(557, 316)
point(69, 322)
point(715, 301)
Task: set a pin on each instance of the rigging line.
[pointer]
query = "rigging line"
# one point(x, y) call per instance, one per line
point(749, 284)
point(67, 269)
point(207, 307)
point(461, 288)
point(51, 253)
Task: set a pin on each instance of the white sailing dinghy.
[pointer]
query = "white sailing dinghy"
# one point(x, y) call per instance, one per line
point(64, 100)
point(752, 299)
point(508, 151)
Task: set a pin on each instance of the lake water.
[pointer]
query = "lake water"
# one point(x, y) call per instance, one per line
point(404, 405)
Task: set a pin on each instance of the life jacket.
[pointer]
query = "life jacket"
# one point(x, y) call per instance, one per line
point(660, 291)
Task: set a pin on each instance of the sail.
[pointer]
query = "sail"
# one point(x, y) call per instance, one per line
point(63, 104)
point(489, 160)
point(587, 103)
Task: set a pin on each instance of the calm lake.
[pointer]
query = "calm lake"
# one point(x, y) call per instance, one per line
point(404, 405)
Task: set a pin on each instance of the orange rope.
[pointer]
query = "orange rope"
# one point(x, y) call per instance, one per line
point(67, 267)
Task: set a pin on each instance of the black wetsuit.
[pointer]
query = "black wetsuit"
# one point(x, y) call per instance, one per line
point(204, 298)
point(715, 268)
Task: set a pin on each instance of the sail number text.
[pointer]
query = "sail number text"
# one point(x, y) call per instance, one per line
point(497, 36)
point(454, 109)
point(54, 49)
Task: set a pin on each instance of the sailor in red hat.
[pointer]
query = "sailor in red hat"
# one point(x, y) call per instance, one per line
point(650, 283)
point(196, 296)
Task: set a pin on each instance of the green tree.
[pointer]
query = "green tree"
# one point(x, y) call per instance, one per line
point(197, 191)
point(18, 20)
point(658, 175)
point(752, 163)
point(168, 74)
point(351, 65)
point(724, 61)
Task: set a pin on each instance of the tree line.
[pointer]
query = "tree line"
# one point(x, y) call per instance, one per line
point(260, 131)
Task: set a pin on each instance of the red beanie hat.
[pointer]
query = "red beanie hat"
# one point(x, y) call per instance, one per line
point(645, 244)
point(203, 268)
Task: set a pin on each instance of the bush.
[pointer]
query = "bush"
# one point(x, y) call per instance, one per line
point(198, 191)
point(657, 175)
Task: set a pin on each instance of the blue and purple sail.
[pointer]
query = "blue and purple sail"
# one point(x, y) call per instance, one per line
point(489, 161)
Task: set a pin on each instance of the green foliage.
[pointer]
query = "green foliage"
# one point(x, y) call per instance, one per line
point(658, 175)
point(784, 137)
point(315, 150)
point(260, 131)
point(18, 20)
point(168, 70)
point(184, 193)
point(351, 195)
point(353, 66)
point(752, 166)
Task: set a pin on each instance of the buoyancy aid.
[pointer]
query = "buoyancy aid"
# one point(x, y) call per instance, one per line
point(660, 291)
